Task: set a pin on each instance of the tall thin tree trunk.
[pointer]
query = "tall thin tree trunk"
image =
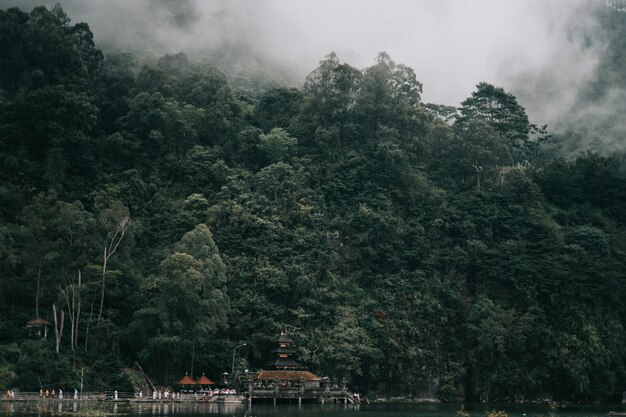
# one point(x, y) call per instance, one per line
point(104, 271)
point(58, 329)
point(72, 313)
point(93, 300)
point(77, 321)
point(71, 331)
point(113, 241)
point(69, 294)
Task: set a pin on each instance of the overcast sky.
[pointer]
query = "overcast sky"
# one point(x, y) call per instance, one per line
point(451, 44)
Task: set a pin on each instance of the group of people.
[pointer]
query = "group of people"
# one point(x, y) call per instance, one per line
point(167, 395)
point(52, 394)
point(157, 395)
point(224, 391)
point(10, 394)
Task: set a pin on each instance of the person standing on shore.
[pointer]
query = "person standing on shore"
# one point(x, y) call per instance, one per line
point(75, 394)
point(60, 394)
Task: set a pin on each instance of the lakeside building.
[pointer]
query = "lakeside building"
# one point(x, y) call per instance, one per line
point(204, 383)
point(283, 379)
point(189, 385)
point(186, 384)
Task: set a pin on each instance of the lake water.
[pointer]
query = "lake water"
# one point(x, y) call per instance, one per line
point(68, 408)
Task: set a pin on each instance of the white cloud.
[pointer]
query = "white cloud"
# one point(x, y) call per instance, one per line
point(521, 45)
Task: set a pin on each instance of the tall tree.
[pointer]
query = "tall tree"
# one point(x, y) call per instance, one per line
point(498, 109)
point(186, 303)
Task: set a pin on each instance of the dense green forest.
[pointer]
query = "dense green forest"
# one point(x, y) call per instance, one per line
point(166, 213)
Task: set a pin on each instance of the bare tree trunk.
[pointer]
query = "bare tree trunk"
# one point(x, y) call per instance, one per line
point(145, 376)
point(113, 241)
point(75, 341)
point(71, 330)
point(58, 329)
point(104, 272)
point(93, 300)
point(69, 294)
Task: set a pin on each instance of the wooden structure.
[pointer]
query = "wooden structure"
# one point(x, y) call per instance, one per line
point(285, 380)
point(189, 385)
point(204, 383)
point(38, 327)
point(186, 384)
point(280, 358)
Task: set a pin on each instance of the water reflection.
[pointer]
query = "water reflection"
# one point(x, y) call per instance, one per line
point(79, 409)
point(170, 409)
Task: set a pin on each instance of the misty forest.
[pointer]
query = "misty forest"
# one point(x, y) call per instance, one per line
point(161, 210)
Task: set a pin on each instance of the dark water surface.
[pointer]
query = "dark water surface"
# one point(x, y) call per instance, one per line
point(69, 408)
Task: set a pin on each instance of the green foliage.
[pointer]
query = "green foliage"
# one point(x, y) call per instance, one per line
point(277, 145)
point(497, 108)
point(411, 249)
point(186, 303)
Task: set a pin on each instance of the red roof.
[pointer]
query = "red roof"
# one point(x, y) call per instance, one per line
point(187, 380)
point(203, 380)
point(287, 376)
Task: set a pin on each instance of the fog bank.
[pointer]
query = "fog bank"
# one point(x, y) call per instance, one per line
point(540, 50)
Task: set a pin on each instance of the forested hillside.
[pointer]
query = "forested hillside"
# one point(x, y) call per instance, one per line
point(167, 215)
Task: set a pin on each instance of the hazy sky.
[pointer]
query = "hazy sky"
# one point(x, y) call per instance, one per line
point(451, 44)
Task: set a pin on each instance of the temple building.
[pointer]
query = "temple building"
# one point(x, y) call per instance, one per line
point(283, 371)
point(283, 379)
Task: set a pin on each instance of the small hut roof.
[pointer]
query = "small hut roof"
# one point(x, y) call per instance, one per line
point(38, 322)
point(203, 380)
point(186, 380)
point(286, 376)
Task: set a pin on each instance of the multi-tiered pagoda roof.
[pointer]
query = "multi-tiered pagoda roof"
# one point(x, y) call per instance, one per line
point(280, 357)
point(282, 367)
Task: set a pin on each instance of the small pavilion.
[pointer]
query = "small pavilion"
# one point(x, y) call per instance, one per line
point(38, 327)
point(187, 384)
point(204, 383)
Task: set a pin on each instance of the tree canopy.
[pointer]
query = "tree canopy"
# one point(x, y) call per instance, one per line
point(411, 248)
